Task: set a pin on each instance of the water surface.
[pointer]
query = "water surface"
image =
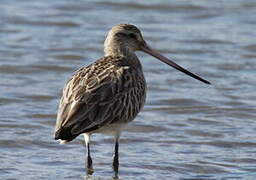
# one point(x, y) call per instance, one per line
point(187, 130)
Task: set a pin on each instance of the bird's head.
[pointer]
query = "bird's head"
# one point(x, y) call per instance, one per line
point(126, 38)
point(124, 35)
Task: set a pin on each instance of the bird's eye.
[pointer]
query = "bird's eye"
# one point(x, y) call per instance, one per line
point(121, 34)
point(133, 36)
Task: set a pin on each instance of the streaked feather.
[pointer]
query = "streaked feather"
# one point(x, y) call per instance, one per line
point(108, 91)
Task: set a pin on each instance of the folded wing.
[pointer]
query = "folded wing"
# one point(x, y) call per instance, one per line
point(88, 100)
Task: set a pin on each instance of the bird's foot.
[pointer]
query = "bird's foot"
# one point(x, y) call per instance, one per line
point(89, 167)
point(115, 177)
point(89, 171)
point(115, 168)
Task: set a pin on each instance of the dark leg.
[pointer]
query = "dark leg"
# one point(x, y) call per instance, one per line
point(116, 160)
point(89, 161)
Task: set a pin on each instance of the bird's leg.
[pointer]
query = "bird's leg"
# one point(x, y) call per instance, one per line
point(116, 159)
point(88, 164)
point(89, 161)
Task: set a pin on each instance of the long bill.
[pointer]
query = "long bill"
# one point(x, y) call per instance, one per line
point(147, 49)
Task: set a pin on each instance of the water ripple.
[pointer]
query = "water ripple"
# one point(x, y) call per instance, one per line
point(187, 130)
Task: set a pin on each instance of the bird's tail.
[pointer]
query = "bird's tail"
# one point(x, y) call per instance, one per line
point(64, 134)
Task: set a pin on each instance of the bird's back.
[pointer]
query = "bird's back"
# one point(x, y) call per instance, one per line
point(111, 90)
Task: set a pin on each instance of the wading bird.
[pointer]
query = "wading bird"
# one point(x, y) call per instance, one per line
point(106, 95)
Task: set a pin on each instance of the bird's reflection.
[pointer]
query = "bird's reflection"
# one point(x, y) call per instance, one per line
point(100, 178)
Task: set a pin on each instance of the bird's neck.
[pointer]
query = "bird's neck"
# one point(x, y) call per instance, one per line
point(117, 49)
point(122, 50)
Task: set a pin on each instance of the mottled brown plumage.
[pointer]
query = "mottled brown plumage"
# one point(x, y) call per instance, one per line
point(100, 94)
point(109, 93)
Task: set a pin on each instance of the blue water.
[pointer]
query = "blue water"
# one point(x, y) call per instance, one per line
point(187, 130)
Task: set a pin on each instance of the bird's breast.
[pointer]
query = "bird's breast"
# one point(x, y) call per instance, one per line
point(132, 89)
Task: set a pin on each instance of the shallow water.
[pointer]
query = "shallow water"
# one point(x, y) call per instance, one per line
point(187, 130)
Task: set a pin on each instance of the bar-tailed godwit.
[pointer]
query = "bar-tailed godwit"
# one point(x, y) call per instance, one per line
point(106, 95)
